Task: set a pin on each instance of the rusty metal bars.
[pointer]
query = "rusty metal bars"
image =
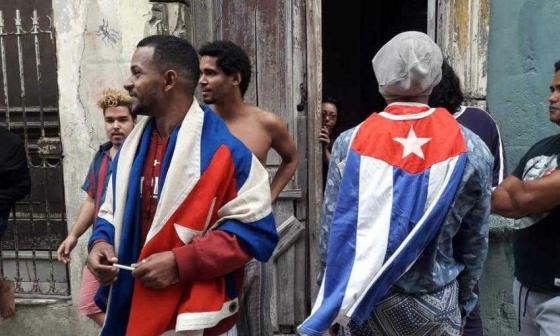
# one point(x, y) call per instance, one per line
point(3, 34)
point(43, 166)
point(19, 37)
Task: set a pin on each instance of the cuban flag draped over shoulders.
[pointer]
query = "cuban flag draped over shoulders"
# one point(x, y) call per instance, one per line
point(210, 182)
point(402, 172)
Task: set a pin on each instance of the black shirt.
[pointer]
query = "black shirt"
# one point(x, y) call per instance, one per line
point(15, 183)
point(536, 246)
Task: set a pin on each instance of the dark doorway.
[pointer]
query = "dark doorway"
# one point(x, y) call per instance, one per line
point(352, 33)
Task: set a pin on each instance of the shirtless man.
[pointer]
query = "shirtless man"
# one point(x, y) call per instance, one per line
point(225, 73)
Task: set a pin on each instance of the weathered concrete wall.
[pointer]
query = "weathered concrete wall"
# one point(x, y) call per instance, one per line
point(522, 51)
point(496, 300)
point(95, 40)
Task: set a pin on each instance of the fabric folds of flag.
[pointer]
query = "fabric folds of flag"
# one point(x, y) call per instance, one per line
point(402, 172)
point(210, 181)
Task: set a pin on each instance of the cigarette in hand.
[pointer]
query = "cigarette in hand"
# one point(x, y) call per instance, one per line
point(124, 267)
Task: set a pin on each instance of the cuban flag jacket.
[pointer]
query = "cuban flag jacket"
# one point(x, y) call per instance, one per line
point(401, 175)
point(209, 181)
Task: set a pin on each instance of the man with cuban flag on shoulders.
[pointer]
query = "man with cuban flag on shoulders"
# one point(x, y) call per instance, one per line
point(187, 206)
point(405, 214)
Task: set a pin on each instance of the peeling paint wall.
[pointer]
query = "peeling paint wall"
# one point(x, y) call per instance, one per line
point(95, 40)
point(462, 33)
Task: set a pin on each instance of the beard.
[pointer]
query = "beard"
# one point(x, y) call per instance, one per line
point(143, 103)
point(209, 100)
point(140, 110)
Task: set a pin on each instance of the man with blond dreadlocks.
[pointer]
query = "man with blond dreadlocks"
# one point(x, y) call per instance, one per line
point(119, 121)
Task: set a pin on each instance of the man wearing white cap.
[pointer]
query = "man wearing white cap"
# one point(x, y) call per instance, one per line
point(405, 215)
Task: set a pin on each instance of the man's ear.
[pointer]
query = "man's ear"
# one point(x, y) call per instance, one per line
point(170, 77)
point(236, 79)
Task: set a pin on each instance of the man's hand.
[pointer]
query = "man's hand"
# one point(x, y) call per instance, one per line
point(63, 252)
point(100, 261)
point(158, 270)
point(325, 138)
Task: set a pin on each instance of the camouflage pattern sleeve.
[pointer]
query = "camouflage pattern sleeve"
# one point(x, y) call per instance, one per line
point(471, 242)
point(334, 176)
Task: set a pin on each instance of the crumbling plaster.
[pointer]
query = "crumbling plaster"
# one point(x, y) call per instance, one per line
point(94, 41)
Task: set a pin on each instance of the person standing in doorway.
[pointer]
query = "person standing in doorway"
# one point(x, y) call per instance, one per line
point(329, 114)
point(119, 122)
point(330, 109)
point(225, 75)
point(15, 184)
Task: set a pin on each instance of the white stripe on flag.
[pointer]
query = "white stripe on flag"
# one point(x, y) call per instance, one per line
point(438, 173)
point(374, 219)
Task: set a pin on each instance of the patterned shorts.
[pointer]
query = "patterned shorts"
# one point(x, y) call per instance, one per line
point(398, 314)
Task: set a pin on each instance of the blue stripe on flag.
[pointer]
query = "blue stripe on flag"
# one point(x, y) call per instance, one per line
point(103, 231)
point(409, 200)
point(415, 246)
point(341, 251)
point(259, 237)
point(120, 299)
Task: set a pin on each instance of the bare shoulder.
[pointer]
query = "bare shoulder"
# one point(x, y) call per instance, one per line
point(269, 120)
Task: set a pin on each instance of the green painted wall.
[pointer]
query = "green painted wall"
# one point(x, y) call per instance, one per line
point(524, 44)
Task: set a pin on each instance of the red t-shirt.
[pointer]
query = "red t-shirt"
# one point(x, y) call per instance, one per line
point(206, 257)
point(149, 183)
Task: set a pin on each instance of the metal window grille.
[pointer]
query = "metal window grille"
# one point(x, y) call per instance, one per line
point(29, 108)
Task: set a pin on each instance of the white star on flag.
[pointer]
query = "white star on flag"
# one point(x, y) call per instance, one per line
point(412, 144)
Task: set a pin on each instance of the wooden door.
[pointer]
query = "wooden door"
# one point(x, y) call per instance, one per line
point(273, 33)
point(462, 30)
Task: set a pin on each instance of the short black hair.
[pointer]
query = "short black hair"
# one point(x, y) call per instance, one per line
point(231, 58)
point(447, 93)
point(557, 66)
point(174, 51)
point(332, 100)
